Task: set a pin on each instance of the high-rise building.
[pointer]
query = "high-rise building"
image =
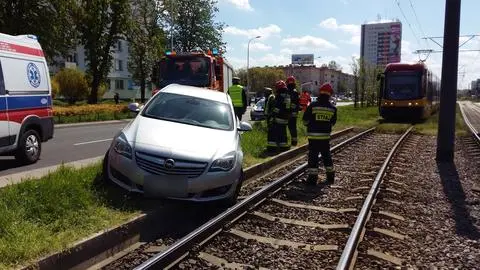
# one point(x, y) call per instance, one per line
point(381, 43)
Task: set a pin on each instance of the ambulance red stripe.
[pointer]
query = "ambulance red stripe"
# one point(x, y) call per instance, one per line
point(9, 47)
point(18, 116)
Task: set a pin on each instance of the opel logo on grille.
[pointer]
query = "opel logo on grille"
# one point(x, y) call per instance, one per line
point(169, 164)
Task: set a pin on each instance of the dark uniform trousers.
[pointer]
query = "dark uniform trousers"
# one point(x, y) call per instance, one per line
point(292, 127)
point(316, 147)
point(239, 111)
point(280, 131)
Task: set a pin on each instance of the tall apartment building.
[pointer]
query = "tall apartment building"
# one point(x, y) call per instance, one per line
point(119, 79)
point(381, 43)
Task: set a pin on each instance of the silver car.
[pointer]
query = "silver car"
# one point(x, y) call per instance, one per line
point(184, 144)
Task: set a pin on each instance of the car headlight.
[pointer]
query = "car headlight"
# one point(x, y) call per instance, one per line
point(122, 147)
point(224, 163)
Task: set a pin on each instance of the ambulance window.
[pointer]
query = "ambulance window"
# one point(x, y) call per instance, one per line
point(2, 83)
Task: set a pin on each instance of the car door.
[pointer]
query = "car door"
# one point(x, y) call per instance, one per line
point(4, 125)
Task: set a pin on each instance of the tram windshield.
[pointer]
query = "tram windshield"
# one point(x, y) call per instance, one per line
point(402, 85)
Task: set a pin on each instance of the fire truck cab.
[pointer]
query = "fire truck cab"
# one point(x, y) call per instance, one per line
point(195, 68)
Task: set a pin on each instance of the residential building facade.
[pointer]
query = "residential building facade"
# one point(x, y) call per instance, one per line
point(311, 77)
point(119, 79)
point(475, 88)
point(381, 43)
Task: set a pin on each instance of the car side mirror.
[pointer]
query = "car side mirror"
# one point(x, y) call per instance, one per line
point(244, 126)
point(135, 107)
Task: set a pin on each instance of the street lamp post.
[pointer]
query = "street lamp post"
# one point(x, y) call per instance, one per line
point(248, 62)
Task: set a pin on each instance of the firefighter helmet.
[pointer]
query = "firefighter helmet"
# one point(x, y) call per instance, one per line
point(326, 89)
point(290, 80)
point(280, 85)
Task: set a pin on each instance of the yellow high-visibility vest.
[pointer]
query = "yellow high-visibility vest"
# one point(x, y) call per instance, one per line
point(235, 92)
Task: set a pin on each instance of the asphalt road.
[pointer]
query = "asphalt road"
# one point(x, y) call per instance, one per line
point(69, 144)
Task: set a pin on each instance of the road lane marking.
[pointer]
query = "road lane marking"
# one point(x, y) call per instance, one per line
point(89, 142)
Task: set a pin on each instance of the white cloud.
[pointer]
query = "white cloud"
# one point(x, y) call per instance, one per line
point(352, 29)
point(241, 4)
point(331, 23)
point(303, 42)
point(264, 32)
point(258, 46)
point(286, 51)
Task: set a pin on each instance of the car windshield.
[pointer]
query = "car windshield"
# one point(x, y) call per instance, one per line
point(402, 85)
point(192, 71)
point(190, 110)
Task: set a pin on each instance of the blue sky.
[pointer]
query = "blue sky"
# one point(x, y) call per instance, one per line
point(331, 29)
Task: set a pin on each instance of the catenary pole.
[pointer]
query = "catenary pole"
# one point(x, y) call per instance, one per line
point(448, 95)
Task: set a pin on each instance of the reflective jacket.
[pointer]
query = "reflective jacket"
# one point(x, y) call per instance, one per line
point(269, 105)
point(282, 108)
point(319, 118)
point(237, 94)
point(294, 102)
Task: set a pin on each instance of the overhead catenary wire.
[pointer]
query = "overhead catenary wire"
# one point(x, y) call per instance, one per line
point(406, 20)
point(418, 22)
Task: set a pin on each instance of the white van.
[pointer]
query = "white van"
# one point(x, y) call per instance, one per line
point(26, 116)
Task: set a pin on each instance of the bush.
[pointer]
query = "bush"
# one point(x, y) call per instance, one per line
point(72, 83)
point(89, 109)
point(55, 87)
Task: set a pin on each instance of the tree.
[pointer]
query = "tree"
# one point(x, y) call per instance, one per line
point(334, 65)
point(265, 77)
point(101, 24)
point(50, 20)
point(191, 22)
point(146, 40)
point(355, 65)
point(72, 84)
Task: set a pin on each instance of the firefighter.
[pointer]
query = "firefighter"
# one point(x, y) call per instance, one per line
point(319, 118)
point(269, 106)
point(294, 107)
point(305, 100)
point(281, 114)
point(238, 96)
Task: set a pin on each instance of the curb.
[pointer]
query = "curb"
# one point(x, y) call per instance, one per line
point(15, 178)
point(96, 123)
point(102, 245)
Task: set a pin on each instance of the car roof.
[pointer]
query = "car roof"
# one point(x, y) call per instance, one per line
point(196, 92)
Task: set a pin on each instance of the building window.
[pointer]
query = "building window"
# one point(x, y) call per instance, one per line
point(109, 86)
point(119, 85)
point(119, 46)
point(118, 65)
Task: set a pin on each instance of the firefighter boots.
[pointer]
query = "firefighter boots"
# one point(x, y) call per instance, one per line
point(330, 178)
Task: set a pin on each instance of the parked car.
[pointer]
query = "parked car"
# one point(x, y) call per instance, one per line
point(183, 144)
point(257, 112)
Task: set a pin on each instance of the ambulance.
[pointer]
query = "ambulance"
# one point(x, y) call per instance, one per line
point(26, 116)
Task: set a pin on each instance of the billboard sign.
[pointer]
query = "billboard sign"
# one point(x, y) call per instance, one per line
point(302, 59)
point(395, 43)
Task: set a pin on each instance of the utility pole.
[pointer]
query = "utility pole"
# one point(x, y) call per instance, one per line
point(248, 64)
point(448, 95)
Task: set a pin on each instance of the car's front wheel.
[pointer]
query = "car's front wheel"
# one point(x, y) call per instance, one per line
point(105, 176)
point(232, 200)
point(29, 147)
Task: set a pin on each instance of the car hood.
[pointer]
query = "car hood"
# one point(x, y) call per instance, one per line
point(176, 140)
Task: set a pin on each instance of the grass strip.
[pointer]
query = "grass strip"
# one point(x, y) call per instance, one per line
point(47, 215)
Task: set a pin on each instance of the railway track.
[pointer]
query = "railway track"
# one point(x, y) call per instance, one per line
point(145, 248)
point(287, 224)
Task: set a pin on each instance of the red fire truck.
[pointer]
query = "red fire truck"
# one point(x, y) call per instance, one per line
point(195, 68)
